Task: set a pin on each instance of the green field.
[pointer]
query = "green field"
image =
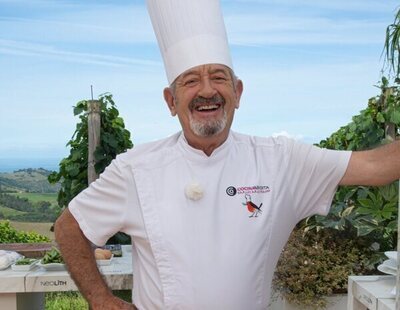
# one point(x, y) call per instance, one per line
point(41, 228)
point(35, 197)
point(8, 211)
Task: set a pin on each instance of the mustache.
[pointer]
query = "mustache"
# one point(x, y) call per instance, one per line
point(216, 99)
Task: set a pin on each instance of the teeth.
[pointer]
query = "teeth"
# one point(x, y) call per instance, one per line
point(207, 107)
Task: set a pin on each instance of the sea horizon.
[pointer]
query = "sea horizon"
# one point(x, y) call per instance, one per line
point(8, 165)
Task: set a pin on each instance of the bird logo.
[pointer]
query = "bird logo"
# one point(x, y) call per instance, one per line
point(252, 207)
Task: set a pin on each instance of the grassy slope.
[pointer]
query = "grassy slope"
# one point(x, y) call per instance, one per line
point(35, 197)
point(8, 211)
point(27, 180)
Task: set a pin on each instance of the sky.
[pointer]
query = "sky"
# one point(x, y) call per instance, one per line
point(307, 66)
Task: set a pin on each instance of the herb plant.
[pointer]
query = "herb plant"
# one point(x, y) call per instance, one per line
point(53, 256)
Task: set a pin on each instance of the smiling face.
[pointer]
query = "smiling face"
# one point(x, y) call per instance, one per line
point(205, 98)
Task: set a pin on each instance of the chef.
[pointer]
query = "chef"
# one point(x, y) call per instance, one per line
point(208, 209)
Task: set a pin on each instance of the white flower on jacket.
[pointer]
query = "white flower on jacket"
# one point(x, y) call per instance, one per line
point(194, 191)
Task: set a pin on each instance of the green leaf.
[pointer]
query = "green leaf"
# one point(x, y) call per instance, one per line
point(53, 177)
point(365, 211)
point(78, 110)
point(392, 208)
point(380, 118)
point(367, 203)
point(364, 230)
point(391, 194)
point(348, 211)
point(73, 169)
point(395, 117)
point(349, 136)
point(392, 225)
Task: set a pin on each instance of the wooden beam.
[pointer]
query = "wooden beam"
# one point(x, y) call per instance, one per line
point(94, 137)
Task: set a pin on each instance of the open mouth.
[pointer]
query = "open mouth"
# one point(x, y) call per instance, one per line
point(207, 107)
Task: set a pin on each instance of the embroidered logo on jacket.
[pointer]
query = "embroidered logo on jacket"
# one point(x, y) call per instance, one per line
point(247, 191)
point(252, 207)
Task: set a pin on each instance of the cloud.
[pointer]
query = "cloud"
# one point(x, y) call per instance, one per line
point(289, 29)
point(18, 48)
point(88, 24)
point(288, 135)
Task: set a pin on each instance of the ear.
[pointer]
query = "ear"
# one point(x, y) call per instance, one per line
point(238, 91)
point(170, 100)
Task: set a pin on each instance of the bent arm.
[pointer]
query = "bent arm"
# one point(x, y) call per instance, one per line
point(375, 167)
point(79, 258)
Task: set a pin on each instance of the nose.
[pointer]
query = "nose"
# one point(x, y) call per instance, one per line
point(206, 88)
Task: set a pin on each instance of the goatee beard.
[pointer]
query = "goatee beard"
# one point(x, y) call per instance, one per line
point(208, 128)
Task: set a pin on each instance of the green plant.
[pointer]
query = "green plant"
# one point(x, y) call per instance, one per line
point(361, 224)
point(74, 300)
point(114, 139)
point(52, 256)
point(316, 265)
point(367, 213)
point(65, 301)
point(8, 234)
point(377, 214)
point(363, 212)
point(25, 261)
point(392, 45)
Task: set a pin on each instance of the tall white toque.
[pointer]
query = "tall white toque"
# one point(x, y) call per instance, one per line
point(189, 33)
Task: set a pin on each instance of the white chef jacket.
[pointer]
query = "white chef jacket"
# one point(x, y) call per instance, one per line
point(217, 252)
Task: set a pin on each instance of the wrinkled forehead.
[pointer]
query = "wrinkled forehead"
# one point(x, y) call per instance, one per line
point(206, 69)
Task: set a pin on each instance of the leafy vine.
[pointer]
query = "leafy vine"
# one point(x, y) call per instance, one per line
point(114, 139)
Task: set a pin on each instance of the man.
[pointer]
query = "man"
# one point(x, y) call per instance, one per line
point(208, 210)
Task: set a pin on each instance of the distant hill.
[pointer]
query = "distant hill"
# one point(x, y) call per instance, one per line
point(27, 180)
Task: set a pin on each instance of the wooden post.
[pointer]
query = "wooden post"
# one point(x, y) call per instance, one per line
point(94, 136)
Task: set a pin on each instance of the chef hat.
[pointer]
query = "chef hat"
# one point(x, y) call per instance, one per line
point(189, 33)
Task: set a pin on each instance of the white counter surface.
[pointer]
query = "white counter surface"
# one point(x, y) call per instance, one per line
point(118, 276)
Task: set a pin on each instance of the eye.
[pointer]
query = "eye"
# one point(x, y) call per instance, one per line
point(219, 78)
point(190, 82)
